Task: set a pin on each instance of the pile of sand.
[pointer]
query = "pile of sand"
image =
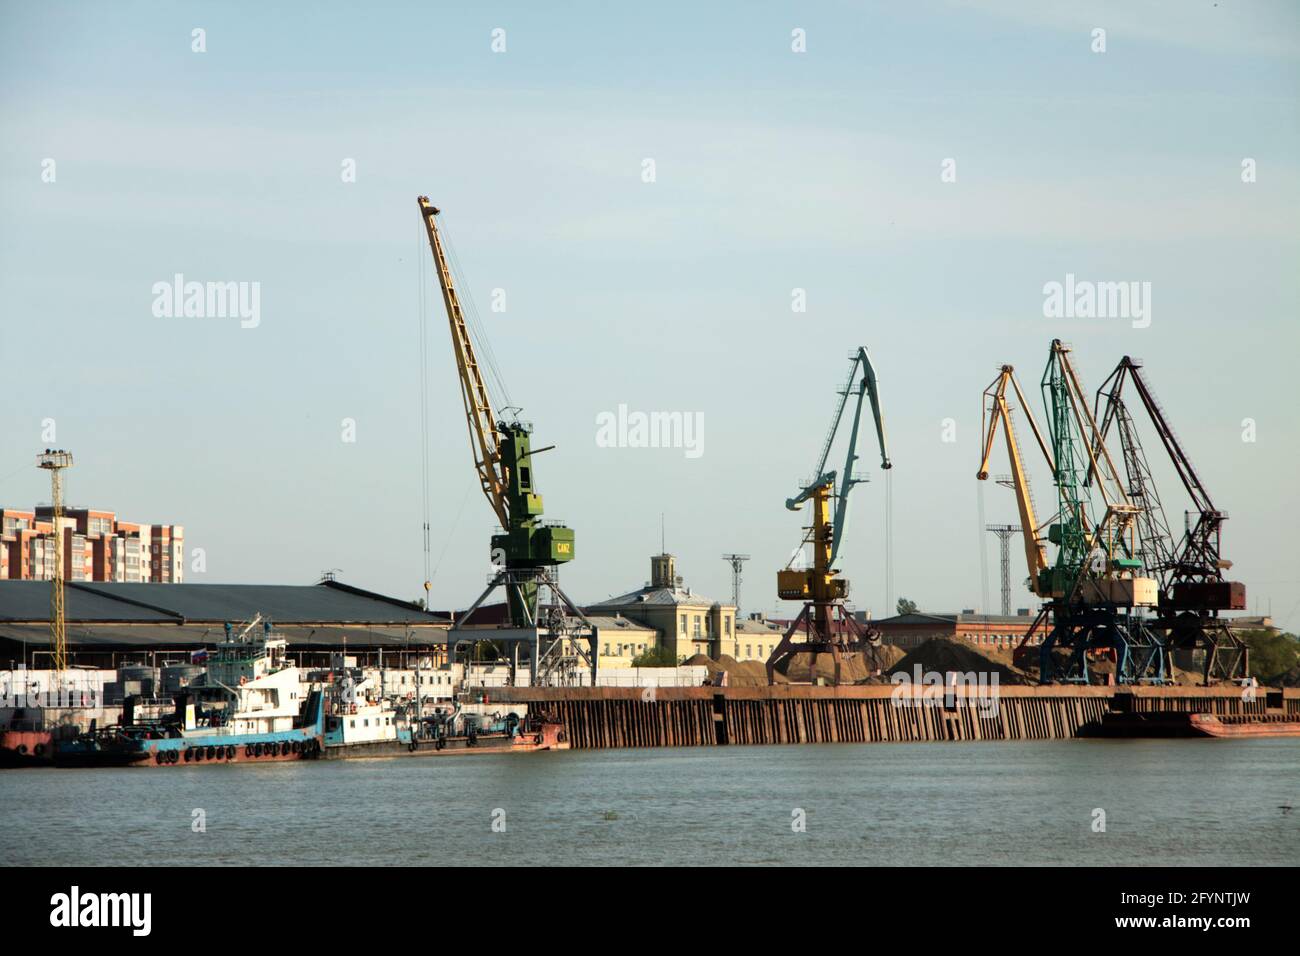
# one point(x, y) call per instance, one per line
point(941, 655)
point(864, 667)
point(861, 668)
point(739, 673)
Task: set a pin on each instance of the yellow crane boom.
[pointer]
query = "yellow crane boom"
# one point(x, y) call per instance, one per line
point(473, 390)
point(997, 412)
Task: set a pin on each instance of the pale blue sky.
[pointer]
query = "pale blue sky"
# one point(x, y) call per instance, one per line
point(775, 170)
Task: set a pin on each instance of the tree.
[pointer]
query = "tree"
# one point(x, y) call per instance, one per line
point(906, 606)
point(655, 656)
point(1271, 655)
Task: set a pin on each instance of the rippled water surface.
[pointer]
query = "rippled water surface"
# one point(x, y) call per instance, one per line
point(1165, 802)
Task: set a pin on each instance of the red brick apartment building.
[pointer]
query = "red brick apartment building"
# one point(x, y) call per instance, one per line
point(96, 547)
point(983, 630)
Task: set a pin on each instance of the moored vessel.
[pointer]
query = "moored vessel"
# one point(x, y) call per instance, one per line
point(249, 706)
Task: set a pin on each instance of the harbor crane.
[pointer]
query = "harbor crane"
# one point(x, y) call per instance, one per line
point(1192, 588)
point(527, 551)
point(1095, 590)
point(55, 461)
point(829, 627)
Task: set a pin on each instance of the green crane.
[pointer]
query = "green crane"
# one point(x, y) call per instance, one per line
point(1097, 585)
point(526, 547)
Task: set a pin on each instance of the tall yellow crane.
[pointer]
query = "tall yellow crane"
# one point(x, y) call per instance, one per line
point(54, 461)
point(997, 411)
point(474, 393)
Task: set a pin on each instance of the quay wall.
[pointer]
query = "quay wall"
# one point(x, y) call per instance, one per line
point(604, 717)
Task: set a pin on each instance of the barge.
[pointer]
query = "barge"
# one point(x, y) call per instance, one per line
point(1192, 725)
point(359, 722)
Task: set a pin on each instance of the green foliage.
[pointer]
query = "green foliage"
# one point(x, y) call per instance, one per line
point(655, 657)
point(906, 606)
point(1271, 655)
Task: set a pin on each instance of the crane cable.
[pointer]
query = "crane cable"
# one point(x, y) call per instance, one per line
point(474, 322)
point(484, 347)
point(422, 303)
point(889, 541)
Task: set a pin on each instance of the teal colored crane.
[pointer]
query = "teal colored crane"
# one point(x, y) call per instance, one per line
point(820, 587)
point(1097, 585)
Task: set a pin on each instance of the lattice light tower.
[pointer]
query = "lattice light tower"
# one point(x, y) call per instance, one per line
point(737, 562)
point(54, 461)
point(1004, 533)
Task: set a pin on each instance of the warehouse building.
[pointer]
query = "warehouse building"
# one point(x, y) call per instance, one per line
point(110, 624)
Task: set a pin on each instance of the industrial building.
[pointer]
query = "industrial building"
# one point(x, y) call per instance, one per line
point(109, 624)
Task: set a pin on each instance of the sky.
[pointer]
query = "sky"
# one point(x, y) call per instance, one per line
point(128, 156)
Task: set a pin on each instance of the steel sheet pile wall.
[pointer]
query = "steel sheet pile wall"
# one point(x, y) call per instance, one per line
point(637, 723)
point(1196, 700)
point(791, 714)
point(880, 720)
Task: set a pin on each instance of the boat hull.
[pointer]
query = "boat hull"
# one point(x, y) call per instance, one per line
point(1271, 725)
point(179, 752)
point(26, 748)
point(1162, 724)
point(550, 736)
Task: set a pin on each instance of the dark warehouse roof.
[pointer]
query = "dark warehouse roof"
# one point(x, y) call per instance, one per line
point(152, 637)
point(330, 602)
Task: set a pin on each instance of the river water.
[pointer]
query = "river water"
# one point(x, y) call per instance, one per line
point(1212, 802)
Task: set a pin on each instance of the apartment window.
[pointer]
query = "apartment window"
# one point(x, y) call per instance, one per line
point(696, 629)
point(726, 626)
point(683, 623)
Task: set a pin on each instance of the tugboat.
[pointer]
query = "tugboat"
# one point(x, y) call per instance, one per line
point(250, 707)
point(359, 721)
